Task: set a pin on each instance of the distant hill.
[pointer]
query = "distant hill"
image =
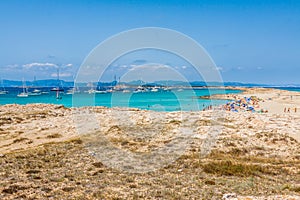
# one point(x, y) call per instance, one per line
point(54, 83)
point(38, 83)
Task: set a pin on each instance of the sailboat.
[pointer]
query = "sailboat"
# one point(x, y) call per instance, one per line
point(140, 89)
point(3, 91)
point(35, 92)
point(155, 89)
point(58, 89)
point(91, 90)
point(24, 93)
point(167, 88)
point(73, 90)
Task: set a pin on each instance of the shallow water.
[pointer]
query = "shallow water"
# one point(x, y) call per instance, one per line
point(293, 89)
point(173, 100)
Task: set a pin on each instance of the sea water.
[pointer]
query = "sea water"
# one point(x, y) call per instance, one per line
point(292, 89)
point(174, 100)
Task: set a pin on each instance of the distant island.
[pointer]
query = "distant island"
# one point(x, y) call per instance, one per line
point(54, 82)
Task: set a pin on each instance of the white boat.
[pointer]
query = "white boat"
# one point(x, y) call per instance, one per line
point(3, 91)
point(35, 92)
point(57, 89)
point(140, 89)
point(155, 89)
point(72, 91)
point(167, 89)
point(24, 93)
point(126, 91)
point(91, 91)
point(100, 91)
point(120, 87)
point(92, 88)
point(110, 90)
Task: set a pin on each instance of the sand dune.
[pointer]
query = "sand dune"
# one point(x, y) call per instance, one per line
point(49, 151)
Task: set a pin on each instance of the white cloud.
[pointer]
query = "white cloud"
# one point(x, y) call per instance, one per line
point(11, 67)
point(46, 65)
point(36, 64)
point(69, 65)
point(150, 66)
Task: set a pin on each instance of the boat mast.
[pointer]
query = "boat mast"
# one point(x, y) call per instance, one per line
point(2, 84)
point(24, 86)
point(58, 85)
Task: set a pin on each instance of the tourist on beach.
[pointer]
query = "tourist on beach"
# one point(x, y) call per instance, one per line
point(289, 110)
point(296, 110)
point(285, 110)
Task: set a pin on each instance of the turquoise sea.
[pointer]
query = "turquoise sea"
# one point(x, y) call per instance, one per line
point(293, 89)
point(187, 99)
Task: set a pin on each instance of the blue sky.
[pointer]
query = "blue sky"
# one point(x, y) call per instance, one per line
point(250, 41)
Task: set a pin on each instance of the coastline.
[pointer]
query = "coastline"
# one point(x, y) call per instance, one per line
point(274, 100)
point(164, 100)
point(261, 145)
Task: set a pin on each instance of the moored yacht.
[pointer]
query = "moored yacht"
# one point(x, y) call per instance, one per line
point(24, 93)
point(3, 91)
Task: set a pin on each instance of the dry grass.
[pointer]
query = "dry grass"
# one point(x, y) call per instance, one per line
point(66, 171)
point(230, 168)
point(20, 140)
point(55, 135)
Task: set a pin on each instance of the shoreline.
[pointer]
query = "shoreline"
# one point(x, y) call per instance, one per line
point(245, 91)
point(270, 95)
point(40, 148)
point(275, 102)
